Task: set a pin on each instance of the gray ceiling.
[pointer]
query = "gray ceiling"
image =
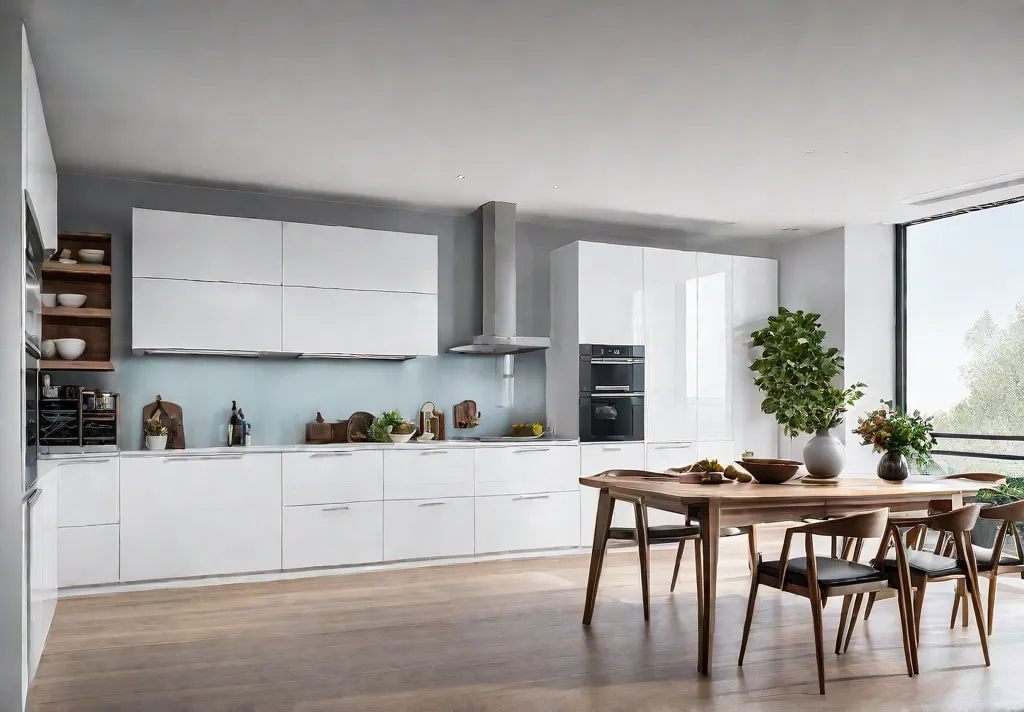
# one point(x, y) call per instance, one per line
point(764, 113)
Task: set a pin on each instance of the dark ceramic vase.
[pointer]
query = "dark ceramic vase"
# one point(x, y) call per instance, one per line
point(893, 467)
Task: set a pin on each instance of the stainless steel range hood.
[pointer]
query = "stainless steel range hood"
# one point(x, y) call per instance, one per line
point(499, 277)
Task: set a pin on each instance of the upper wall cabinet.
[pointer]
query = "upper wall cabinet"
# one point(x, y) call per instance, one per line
point(40, 177)
point(354, 258)
point(610, 299)
point(755, 298)
point(670, 342)
point(207, 248)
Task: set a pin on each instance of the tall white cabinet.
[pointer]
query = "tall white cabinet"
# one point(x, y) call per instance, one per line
point(39, 172)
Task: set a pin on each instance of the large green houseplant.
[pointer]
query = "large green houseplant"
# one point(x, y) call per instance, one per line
point(795, 372)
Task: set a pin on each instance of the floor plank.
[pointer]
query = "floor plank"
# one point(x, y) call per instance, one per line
point(502, 636)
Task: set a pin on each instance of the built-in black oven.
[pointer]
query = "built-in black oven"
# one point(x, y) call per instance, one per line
point(611, 393)
point(611, 369)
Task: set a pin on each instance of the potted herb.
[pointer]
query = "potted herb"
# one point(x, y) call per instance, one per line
point(156, 433)
point(381, 428)
point(795, 372)
point(900, 437)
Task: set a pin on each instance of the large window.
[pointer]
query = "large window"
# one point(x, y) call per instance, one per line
point(962, 358)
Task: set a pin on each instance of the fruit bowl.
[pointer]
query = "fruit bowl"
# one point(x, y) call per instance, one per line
point(770, 471)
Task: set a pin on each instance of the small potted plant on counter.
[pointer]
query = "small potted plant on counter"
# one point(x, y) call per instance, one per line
point(900, 437)
point(156, 433)
point(390, 427)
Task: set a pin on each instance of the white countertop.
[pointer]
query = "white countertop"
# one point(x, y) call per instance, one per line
point(339, 447)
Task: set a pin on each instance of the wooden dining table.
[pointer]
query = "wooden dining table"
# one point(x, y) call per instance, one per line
point(735, 504)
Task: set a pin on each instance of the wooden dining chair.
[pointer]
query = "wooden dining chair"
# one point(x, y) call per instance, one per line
point(928, 567)
point(1010, 517)
point(915, 537)
point(819, 577)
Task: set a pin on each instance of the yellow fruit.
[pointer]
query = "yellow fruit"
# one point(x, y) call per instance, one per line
point(538, 429)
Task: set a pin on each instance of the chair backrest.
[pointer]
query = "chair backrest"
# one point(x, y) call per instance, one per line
point(866, 525)
point(993, 477)
point(631, 473)
point(959, 520)
point(1012, 512)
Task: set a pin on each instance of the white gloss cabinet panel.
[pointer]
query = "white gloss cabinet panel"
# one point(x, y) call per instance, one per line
point(433, 472)
point(332, 535)
point(89, 491)
point(428, 528)
point(40, 169)
point(187, 516)
point(610, 298)
point(670, 345)
point(88, 556)
point(523, 522)
point(205, 316)
point(755, 298)
point(330, 477)
point(368, 323)
point(354, 258)
point(660, 457)
point(714, 347)
point(595, 459)
point(209, 248)
point(42, 565)
point(526, 469)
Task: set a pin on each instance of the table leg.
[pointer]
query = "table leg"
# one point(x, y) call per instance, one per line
point(643, 545)
point(605, 507)
point(710, 531)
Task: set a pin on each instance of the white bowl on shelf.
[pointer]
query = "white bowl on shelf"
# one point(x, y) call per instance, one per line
point(71, 300)
point(401, 437)
point(47, 348)
point(64, 261)
point(49, 300)
point(94, 257)
point(69, 349)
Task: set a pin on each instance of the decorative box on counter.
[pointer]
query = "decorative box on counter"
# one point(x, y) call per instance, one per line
point(321, 432)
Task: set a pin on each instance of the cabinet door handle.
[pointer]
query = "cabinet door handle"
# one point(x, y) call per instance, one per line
point(202, 457)
point(677, 446)
point(335, 509)
point(530, 496)
point(434, 452)
point(32, 496)
point(341, 453)
point(85, 461)
point(430, 504)
point(609, 448)
point(532, 449)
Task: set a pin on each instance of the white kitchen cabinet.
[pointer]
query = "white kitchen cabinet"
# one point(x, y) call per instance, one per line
point(207, 248)
point(343, 321)
point(428, 473)
point(89, 491)
point(40, 169)
point(660, 457)
point(526, 469)
point(755, 298)
point(722, 450)
point(354, 258)
point(194, 515)
point(610, 298)
point(88, 556)
point(332, 476)
point(523, 522)
point(332, 535)
point(595, 459)
point(42, 563)
point(670, 345)
point(714, 347)
point(428, 528)
point(205, 316)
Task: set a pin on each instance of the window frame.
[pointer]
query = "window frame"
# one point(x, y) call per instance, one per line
point(901, 335)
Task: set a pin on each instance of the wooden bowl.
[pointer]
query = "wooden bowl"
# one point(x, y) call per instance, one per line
point(769, 471)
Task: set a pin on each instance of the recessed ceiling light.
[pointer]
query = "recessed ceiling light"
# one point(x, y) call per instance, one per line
point(791, 229)
point(555, 186)
point(460, 176)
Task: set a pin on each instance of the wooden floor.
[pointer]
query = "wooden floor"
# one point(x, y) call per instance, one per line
point(504, 636)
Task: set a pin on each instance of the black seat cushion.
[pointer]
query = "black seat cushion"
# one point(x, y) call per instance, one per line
point(657, 534)
point(928, 564)
point(984, 558)
point(831, 572)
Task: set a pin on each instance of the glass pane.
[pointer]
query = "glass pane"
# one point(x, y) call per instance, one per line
point(965, 323)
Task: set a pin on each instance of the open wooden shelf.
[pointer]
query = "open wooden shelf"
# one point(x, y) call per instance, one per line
point(79, 270)
point(77, 312)
point(62, 365)
point(85, 236)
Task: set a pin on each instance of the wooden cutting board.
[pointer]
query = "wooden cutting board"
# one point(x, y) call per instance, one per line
point(172, 417)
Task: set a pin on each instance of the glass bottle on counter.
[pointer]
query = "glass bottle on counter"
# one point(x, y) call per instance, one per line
point(232, 424)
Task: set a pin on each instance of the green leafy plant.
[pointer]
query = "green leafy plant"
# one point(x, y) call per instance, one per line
point(1011, 491)
point(795, 372)
point(154, 426)
point(886, 429)
point(380, 429)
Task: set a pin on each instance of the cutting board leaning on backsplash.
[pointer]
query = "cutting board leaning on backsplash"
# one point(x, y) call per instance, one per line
point(172, 417)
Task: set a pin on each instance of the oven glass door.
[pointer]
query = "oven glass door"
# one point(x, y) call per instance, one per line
point(611, 418)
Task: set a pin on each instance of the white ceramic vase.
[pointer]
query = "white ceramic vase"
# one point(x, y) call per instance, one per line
point(824, 456)
point(156, 442)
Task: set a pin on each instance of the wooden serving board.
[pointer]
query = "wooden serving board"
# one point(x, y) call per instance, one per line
point(172, 417)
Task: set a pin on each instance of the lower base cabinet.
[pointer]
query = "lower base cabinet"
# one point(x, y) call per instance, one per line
point(527, 521)
point(427, 528)
point(88, 556)
point(332, 535)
